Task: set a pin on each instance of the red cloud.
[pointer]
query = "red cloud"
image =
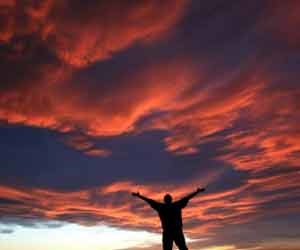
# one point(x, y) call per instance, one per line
point(46, 105)
point(82, 37)
point(85, 145)
point(113, 204)
point(247, 110)
point(192, 117)
point(283, 23)
point(193, 109)
point(108, 27)
point(100, 152)
point(274, 140)
point(213, 111)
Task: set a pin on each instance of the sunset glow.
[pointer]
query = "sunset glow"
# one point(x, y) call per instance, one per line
point(99, 99)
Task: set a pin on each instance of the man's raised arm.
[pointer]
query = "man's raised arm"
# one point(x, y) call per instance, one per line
point(190, 196)
point(184, 201)
point(151, 202)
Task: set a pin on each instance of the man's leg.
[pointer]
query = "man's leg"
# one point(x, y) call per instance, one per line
point(167, 241)
point(180, 240)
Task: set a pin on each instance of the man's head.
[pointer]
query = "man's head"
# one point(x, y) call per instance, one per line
point(168, 199)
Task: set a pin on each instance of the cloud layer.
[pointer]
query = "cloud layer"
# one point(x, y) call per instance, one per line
point(220, 82)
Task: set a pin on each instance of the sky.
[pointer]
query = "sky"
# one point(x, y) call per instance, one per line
point(99, 99)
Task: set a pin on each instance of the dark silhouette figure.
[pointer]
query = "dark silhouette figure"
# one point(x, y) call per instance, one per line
point(171, 219)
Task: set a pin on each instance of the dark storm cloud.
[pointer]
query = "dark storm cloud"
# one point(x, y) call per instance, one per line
point(6, 231)
point(9, 222)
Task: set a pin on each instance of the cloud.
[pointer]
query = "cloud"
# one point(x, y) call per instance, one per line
point(283, 22)
point(198, 116)
point(6, 231)
point(282, 244)
point(38, 39)
point(191, 104)
point(82, 37)
point(84, 144)
point(273, 140)
point(60, 70)
point(113, 205)
point(102, 114)
point(98, 152)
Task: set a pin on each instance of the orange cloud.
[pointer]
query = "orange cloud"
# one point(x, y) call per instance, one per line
point(86, 206)
point(277, 182)
point(191, 108)
point(246, 109)
point(45, 105)
point(109, 27)
point(113, 205)
point(274, 140)
point(82, 37)
point(84, 144)
point(196, 118)
point(191, 117)
point(100, 152)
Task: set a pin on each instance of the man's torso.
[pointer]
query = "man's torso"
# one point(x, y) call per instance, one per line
point(170, 216)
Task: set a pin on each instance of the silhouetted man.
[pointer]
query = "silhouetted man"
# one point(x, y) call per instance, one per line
point(171, 220)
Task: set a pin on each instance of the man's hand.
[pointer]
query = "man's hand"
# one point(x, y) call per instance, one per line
point(200, 190)
point(135, 194)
